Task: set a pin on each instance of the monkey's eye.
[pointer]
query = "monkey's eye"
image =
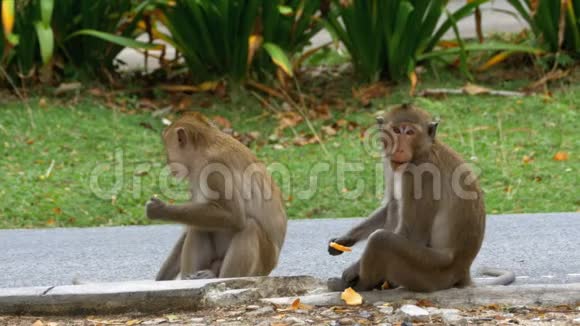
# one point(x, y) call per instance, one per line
point(410, 132)
point(396, 130)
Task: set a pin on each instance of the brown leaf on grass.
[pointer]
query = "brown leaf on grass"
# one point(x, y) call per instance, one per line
point(42, 102)
point(57, 210)
point(30, 141)
point(561, 156)
point(288, 120)
point(51, 222)
point(527, 159)
point(366, 93)
point(329, 130)
point(414, 80)
point(222, 122)
point(305, 140)
point(321, 112)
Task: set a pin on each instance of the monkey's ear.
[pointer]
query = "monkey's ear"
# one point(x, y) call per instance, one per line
point(181, 136)
point(432, 129)
point(380, 119)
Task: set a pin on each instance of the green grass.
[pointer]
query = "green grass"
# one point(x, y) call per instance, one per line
point(493, 133)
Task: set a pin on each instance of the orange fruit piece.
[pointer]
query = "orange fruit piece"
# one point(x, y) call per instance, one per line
point(340, 247)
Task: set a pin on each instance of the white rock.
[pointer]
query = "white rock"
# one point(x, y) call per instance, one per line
point(196, 320)
point(452, 317)
point(413, 313)
point(576, 321)
point(386, 310)
point(294, 321)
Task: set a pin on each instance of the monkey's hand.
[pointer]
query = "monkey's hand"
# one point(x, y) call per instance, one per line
point(155, 208)
point(343, 241)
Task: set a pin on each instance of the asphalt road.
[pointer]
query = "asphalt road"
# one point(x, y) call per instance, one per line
point(540, 248)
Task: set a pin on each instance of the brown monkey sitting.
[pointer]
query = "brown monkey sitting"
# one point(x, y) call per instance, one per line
point(235, 221)
point(427, 234)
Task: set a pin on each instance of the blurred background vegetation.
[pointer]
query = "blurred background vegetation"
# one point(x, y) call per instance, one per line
point(68, 103)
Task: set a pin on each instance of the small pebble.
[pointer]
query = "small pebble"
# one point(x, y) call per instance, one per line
point(346, 321)
point(365, 314)
point(413, 313)
point(387, 310)
point(260, 311)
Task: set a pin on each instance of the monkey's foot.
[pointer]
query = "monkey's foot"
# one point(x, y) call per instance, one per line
point(203, 274)
point(336, 284)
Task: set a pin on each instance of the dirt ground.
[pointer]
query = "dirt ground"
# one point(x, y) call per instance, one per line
point(416, 313)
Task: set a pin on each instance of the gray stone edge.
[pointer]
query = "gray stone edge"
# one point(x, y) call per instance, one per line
point(171, 296)
point(148, 296)
point(511, 295)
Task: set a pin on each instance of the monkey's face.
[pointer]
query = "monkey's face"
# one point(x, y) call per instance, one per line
point(400, 141)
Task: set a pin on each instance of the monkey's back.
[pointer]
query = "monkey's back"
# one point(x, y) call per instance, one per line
point(464, 202)
point(264, 203)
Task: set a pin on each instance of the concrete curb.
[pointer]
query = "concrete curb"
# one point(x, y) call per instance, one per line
point(148, 296)
point(171, 296)
point(530, 295)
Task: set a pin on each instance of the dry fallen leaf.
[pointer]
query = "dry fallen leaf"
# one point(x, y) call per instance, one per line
point(38, 323)
point(351, 297)
point(57, 210)
point(222, 122)
point(561, 156)
point(288, 120)
point(51, 221)
point(527, 159)
point(414, 80)
point(368, 92)
point(321, 112)
point(133, 322)
point(329, 130)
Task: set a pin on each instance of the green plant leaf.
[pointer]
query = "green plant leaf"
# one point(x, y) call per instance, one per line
point(119, 40)
point(46, 41)
point(490, 46)
point(285, 10)
point(279, 57)
point(46, 7)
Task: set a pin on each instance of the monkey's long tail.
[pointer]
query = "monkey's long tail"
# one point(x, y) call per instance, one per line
point(502, 276)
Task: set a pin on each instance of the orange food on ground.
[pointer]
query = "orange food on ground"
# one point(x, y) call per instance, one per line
point(340, 247)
